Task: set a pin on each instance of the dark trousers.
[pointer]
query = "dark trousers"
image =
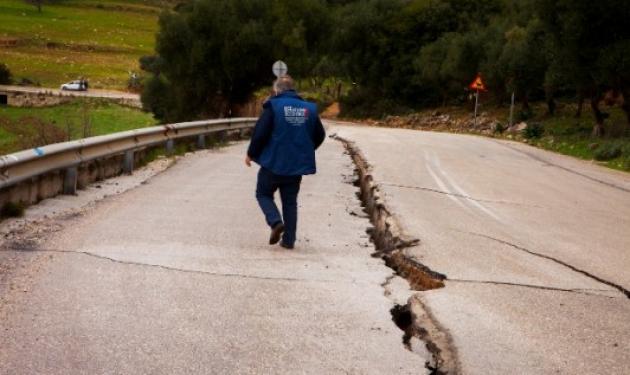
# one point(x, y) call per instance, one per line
point(289, 187)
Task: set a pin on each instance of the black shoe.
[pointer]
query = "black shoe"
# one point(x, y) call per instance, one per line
point(276, 233)
point(288, 247)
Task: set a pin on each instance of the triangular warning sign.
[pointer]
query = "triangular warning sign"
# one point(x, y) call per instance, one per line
point(477, 84)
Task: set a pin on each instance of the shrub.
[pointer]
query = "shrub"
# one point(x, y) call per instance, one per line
point(533, 130)
point(361, 103)
point(608, 151)
point(499, 128)
point(524, 115)
point(5, 75)
point(156, 97)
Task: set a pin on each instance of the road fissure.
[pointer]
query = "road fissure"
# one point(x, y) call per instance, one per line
point(532, 286)
point(437, 191)
point(620, 288)
point(390, 243)
point(162, 267)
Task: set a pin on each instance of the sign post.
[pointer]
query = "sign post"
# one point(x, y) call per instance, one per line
point(512, 110)
point(476, 106)
point(477, 85)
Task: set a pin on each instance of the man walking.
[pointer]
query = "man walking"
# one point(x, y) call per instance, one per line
point(284, 142)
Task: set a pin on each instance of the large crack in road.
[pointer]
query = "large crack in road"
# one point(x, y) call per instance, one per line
point(413, 318)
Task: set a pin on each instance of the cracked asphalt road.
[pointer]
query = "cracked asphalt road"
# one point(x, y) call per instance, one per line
point(175, 277)
point(535, 246)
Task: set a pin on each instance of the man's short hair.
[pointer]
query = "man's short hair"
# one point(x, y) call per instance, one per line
point(283, 83)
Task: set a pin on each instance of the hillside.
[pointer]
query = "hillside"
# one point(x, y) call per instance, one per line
point(98, 39)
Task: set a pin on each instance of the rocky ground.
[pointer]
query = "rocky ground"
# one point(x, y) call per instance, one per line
point(450, 122)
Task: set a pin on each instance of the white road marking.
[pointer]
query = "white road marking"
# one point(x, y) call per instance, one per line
point(461, 191)
point(441, 183)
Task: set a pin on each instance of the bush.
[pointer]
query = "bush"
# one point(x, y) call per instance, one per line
point(361, 103)
point(156, 98)
point(524, 115)
point(5, 75)
point(608, 151)
point(533, 130)
point(499, 128)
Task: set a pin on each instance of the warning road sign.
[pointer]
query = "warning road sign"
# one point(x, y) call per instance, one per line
point(478, 84)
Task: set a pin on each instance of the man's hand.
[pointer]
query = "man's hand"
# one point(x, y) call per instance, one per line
point(248, 161)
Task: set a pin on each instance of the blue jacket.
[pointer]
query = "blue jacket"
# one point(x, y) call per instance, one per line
point(286, 136)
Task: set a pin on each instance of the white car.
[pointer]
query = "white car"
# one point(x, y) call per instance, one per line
point(77, 85)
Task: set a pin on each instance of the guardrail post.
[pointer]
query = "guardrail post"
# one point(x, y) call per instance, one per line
point(128, 162)
point(170, 146)
point(201, 141)
point(70, 180)
point(222, 136)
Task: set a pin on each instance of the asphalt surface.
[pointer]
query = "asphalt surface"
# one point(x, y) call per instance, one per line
point(175, 276)
point(535, 246)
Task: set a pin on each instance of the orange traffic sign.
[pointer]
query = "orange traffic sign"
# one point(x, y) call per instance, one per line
point(477, 84)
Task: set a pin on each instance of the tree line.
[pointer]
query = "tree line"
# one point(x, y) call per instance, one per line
point(212, 54)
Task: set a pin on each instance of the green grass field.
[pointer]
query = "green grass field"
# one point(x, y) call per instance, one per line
point(104, 117)
point(97, 39)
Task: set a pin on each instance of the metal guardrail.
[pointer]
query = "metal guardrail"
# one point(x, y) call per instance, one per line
point(27, 164)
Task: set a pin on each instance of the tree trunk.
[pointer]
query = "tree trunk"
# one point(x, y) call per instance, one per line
point(551, 102)
point(578, 114)
point(598, 128)
point(551, 106)
point(626, 107)
point(526, 107)
point(625, 93)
